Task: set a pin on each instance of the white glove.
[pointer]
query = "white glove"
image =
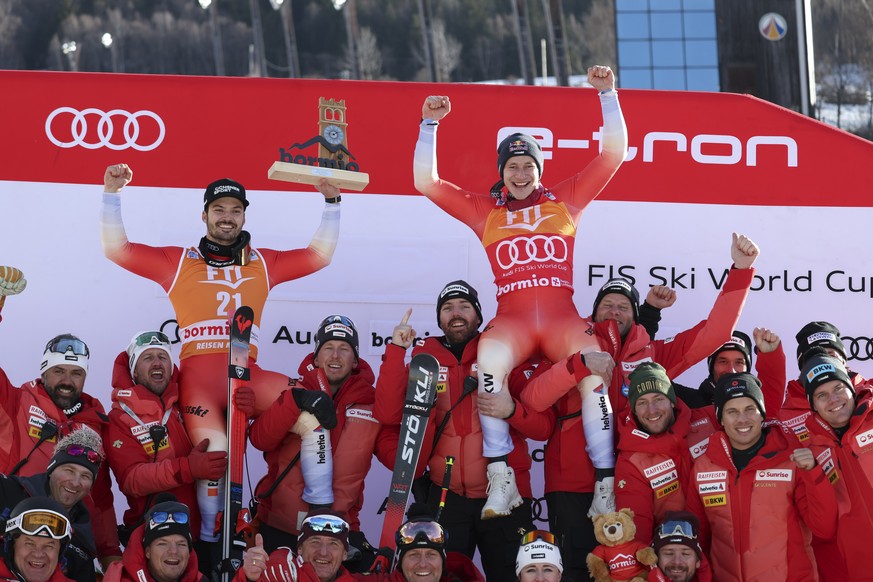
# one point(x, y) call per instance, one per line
point(604, 497)
point(12, 281)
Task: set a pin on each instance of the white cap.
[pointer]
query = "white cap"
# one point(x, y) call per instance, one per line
point(144, 341)
point(538, 552)
point(65, 350)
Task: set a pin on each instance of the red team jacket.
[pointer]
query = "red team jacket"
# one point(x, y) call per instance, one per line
point(462, 437)
point(848, 463)
point(22, 413)
point(354, 440)
point(6, 573)
point(130, 449)
point(756, 517)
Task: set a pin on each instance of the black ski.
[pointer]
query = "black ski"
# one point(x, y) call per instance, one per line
point(420, 395)
point(232, 544)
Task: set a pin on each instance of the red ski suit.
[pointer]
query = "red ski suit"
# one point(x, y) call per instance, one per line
point(462, 437)
point(848, 463)
point(755, 517)
point(22, 414)
point(6, 573)
point(566, 469)
point(355, 439)
point(653, 472)
point(131, 452)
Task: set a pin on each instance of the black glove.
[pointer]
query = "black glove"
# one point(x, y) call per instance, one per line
point(316, 403)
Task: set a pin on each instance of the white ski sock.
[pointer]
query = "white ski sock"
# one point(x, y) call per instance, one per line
point(209, 500)
point(597, 422)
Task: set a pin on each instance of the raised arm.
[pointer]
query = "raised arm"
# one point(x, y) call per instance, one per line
point(470, 208)
point(584, 187)
point(155, 263)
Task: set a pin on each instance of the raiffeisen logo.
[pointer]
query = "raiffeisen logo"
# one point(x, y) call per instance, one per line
point(732, 150)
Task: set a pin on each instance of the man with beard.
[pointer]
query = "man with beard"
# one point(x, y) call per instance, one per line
point(680, 557)
point(68, 479)
point(53, 405)
point(206, 283)
point(454, 430)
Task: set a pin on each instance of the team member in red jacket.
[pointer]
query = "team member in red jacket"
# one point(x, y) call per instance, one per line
point(680, 557)
point(569, 477)
point(337, 388)
point(756, 489)
point(57, 398)
point(654, 464)
point(841, 436)
point(37, 531)
point(151, 451)
point(457, 410)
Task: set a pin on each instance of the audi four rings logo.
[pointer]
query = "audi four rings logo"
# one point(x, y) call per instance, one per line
point(108, 125)
point(536, 249)
point(859, 348)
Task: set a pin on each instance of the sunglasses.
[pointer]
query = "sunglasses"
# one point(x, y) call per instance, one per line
point(83, 451)
point(328, 523)
point(151, 338)
point(159, 517)
point(676, 528)
point(538, 534)
point(64, 345)
point(411, 531)
point(41, 522)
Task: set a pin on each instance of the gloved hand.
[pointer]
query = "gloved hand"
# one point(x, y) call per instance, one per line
point(206, 465)
point(316, 403)
point(12, 281)
point(604, 497)
point(384, 560)
point(280, 567)
point(244, 400)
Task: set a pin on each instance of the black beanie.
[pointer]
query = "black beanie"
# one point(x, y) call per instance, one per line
point(737, 385)
point(420, 512)
point(673, 530)
point(519, 144)
point(818, 334)
point(740, 342)
point(622, 287)
point(76, 454)
point(459, 289)
point(307, 530)
point(154, 528)
point(224, 188)
point(819, 368)
point(336, 327)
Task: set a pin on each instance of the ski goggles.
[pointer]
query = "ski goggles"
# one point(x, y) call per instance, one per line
point(676, 527)
point(326, 523)
point(411, 531)
point(40, 522)
point(538, 534)
point(159, 517)
point(64, 345)
point(150, 338)
point(83, 451)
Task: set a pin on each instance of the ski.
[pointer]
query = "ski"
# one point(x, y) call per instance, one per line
point(420, 395)
point(232, 544)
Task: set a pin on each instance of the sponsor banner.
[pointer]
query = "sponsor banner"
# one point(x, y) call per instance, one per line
point(718, 487)
point(659, 468)
point(714, 500)
point(712, 476)
point(774, 475)
point(361, 414)
point(864, 439)
point(663, 479)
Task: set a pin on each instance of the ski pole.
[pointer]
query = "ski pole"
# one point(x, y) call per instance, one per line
point(447, 479)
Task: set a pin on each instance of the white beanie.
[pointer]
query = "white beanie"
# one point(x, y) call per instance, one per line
point(538, 552)
point(135, 350)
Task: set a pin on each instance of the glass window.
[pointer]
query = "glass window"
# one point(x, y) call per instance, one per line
point(659, 5)
point(667, 53)
point(669, 78)
point(667, 25)
point(701, 53)
point(634, 53)
point(703, 79)
point(700, 5)
point(635, 79)
point(621, 5)
point(700, 24)
point(632, 25)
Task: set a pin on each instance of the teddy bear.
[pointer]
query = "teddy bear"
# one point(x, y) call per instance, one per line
point(619, 557)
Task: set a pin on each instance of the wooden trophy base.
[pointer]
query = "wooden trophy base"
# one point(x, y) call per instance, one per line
point(303, 174)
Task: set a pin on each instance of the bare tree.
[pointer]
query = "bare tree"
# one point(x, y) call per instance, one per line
point(369, 54)
point(446, 51)
point(596, 37)
point(10, 23)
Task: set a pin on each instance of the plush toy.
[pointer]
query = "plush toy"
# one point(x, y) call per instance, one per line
point(619, 557)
